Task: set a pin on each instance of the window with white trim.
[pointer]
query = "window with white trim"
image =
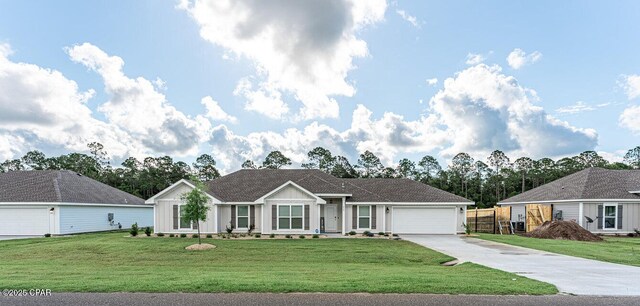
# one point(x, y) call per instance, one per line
point(364, 217)
point(290, 216)
point(184, 222)
point(242, 216)
point(610, 216)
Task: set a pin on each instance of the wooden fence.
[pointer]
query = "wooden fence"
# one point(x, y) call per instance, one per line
point(537, 214)
point(488, 220)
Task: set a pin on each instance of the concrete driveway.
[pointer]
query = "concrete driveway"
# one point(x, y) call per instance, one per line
point(569, 274)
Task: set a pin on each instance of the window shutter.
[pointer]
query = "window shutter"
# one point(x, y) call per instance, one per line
point(274, 217)
point(306, 217)
point(619, 216)
point(252, 215)
point(354, 217)
point(600, 220)
point(176, 219)
point(373, 216)
point(233, 216)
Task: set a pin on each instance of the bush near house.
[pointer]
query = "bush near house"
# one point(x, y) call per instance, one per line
point(134, 229)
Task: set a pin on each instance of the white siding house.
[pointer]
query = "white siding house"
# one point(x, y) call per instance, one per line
point(63, 202)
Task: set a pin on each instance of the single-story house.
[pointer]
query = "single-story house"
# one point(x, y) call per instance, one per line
point(307, 201)
point(61, 202)
point(608, 198)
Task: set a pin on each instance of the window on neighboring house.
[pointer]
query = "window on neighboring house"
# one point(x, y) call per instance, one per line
point(610, 216)
point(242, 216)
point(290, 217)
point(184, 222)
point(364, 217)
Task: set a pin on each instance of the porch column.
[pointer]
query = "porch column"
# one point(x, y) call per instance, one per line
point(344, 212)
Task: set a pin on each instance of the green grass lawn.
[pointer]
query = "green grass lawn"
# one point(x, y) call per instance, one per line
point(612, 249)
point(109, 262)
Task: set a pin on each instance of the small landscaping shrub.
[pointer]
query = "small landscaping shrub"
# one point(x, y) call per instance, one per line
point(395, 235)
point(637, 230)
point(631, 235)
point(160, 234)
point(370, 235)
point(302, 237)
point(386, 235)
point(272, 236)
point(352, 233)
point(287, 236)
point(250, 229)
point(134, 230)
point(194, 236)
point(366, 233)
point(257, 235)
point(381, 234)
point(183, 235)
point(147, 231)
point(315, 236)
point(467, 228)
point(229, 229)
point(209, 236)
point(172, 235)
point(47, 235)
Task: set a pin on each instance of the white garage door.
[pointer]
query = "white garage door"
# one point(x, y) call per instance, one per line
point(412, 220)
point(24, 221)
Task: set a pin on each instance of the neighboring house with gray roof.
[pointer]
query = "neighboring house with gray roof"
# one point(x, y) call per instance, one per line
point(611, 198)
point(64, 202)
point(308, 201)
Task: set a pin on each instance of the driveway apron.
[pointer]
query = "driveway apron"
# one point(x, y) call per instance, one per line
point(569, 274)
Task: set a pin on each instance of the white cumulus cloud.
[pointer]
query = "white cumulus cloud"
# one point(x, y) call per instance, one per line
point(474, 59)
point(432, 81)
point(408, 18)
point(629, 119)
point(138, 108)
point(518, 58)
point(484, 110)
point(631, 85)
point(303, 49)
point(215, 111)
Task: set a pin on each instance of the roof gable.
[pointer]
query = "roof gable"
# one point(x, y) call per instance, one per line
point(290, 190)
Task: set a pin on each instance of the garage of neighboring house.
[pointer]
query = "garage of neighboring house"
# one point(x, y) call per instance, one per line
point(424, 220)
point(57, 202)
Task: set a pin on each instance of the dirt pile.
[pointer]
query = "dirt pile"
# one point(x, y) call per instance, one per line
point(562, 230)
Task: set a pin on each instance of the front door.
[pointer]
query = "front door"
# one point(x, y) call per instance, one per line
point(331, 218)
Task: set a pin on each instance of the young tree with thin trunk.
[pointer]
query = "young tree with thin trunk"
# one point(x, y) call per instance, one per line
point(196, 207)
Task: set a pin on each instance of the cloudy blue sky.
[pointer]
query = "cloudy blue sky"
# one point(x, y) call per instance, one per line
point(238, 79)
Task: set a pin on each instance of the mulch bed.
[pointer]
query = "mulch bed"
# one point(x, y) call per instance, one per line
point(566, 230)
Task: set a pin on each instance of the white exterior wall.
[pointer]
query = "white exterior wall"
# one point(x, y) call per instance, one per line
point(224, 213)
point(291, 195)
point(570, 211)
point(93, 218)
point(630, 217)
point(164, 213)
point(380, 219)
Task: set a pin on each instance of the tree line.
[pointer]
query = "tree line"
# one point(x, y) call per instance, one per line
point(485, 182)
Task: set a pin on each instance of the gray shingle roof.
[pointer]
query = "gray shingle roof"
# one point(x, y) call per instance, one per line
point(248, 185)
point(589, 184)
point(59, 186)
point(399, 190)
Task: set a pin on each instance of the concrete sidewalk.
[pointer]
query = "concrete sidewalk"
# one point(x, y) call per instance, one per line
point(569, 274)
